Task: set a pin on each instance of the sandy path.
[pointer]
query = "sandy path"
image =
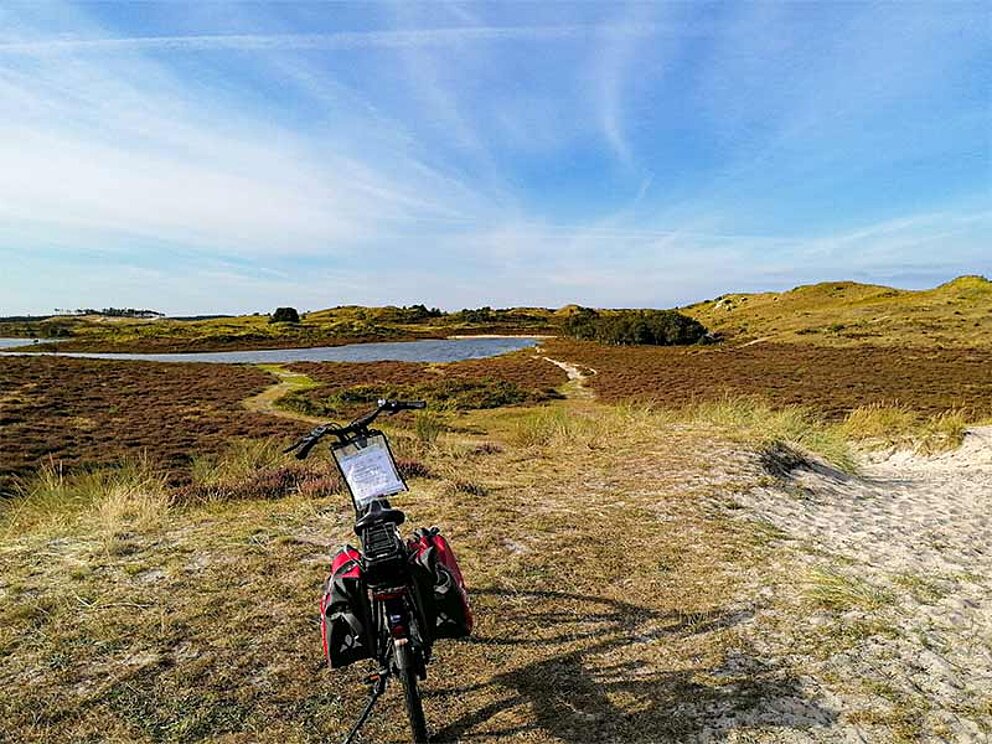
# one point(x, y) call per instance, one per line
point(919, 529)
point(289, 381)
point(576, 385)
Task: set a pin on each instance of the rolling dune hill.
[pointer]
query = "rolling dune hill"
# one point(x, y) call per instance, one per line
point(958, 313)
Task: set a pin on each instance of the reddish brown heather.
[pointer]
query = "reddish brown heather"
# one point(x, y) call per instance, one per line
point(85, 411)
point(346, 374)
point(830, 380)
point(525, 368)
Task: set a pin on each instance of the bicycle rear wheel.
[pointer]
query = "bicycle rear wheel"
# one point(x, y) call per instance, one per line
point(414, 707)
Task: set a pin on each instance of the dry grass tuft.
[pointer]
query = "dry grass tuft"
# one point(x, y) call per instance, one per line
point(754, 420)
point(590, 428)
point(133, 498)
point(829, 589)
point(429, 425)
point(130, 497)
point(242, 459)
point(880, 426)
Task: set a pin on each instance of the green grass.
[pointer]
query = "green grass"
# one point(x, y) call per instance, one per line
point(756, 421)
point(829, 589)
point(131, 496)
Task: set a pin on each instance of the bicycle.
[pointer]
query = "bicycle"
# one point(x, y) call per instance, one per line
point(393, 595)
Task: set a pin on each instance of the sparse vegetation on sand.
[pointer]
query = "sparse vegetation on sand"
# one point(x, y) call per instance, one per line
point(156, 638)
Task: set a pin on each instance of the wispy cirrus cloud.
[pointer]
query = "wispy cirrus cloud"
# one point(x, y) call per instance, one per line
point(335, 41)
point(203, 156)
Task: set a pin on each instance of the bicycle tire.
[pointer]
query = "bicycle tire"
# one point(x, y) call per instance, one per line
point(411, 693)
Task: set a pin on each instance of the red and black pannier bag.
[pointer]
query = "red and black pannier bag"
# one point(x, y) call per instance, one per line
point(450, 607)
point(345, 622)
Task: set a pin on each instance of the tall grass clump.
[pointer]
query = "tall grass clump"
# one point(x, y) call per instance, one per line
point(562, 428)
point(879, 426)
point(755, 420)
point(132, 496)
point(942, 432)
point(428, 425)
point(256, 470)
point(242, 459)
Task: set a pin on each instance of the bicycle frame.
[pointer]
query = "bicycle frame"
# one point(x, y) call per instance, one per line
point(403, 640)
point(397, 608)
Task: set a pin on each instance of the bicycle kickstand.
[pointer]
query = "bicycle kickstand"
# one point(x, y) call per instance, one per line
point(378, 682)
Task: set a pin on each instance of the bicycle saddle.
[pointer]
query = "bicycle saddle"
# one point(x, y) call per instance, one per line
point(378, 514)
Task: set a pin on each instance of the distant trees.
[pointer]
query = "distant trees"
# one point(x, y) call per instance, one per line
point(623, 327)
point(478, 315)
point(421, 312)
point(407, 314)
point(285, 315)
point(111, 312)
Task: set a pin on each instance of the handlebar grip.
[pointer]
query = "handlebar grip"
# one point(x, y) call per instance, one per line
point(303, 451)
point(409, 405)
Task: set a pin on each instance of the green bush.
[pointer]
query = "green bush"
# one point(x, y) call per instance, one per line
point(285, 315)
point(623, 327)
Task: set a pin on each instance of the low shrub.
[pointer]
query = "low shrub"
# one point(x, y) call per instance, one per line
point(470, 488)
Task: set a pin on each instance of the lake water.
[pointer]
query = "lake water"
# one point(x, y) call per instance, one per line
point(429, 350)
point(7, 343)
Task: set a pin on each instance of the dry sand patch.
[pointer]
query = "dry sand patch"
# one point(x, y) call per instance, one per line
point(904, 553)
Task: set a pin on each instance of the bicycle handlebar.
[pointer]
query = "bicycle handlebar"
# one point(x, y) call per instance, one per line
point(307, 443)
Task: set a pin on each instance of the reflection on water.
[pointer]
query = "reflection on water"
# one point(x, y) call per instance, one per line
point(7, 343)
point(430, 350)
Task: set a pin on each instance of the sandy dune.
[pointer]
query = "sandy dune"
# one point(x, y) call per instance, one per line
point(917, 530)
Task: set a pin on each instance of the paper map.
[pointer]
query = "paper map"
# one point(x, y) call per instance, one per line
point(370, 473)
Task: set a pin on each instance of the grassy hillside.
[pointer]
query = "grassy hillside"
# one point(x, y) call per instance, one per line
point(958, 313)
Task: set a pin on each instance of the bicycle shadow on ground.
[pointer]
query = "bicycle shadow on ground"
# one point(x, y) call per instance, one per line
point(590, 681)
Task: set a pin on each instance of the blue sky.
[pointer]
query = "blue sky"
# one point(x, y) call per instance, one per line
point(234, 156)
